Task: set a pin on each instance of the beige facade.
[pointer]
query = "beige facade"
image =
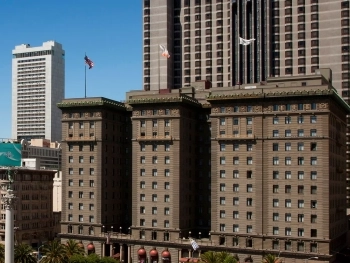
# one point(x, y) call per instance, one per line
point(255, 170)
point(33, 214)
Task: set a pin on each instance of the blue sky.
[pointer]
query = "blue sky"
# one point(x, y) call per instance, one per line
point(109, 31)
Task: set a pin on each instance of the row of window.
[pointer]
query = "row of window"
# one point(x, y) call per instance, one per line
point(155, 198)
point(166, 223)
point(154, 123)
point(288, 161)
point(288, 189)
point(154, 185)
point(300, 203)
point(81, 183)
point(81, 159)
point(275, 120)
point(288, 146)
point(81, 194)
point(81, 171)
point(91, 147)
point(154, 147)
point(300, 133)
point(275, 107)
point(155, 210)
point(288, 175)
point(81, 218)
point(249, 201)
point(81, 206)
point(249, 174)
point(155, 172)
point(155, 159)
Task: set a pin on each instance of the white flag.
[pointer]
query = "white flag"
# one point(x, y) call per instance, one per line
point(165, 52)
point(245, 42)
point(194, 244)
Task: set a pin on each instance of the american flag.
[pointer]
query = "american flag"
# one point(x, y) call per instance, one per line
point(89, 62)
point(194, 244)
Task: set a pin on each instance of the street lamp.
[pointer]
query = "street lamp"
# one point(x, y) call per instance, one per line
point(103, 229)
point(112, 229)
point(120, 230)
point(306, 260)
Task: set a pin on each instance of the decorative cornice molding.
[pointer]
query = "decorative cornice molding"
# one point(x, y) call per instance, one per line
point(91, 102)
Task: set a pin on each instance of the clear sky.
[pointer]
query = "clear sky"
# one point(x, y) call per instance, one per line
point(109, 31)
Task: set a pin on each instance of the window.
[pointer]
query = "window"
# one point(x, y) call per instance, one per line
point(300, 118)
point(275, 175)
point(288, 231)
point(222, 160)
point(167, 123)
point(288, 146)
point(154, 147)
point(313, 132)
point(222, 187)
point(235, 201)
point(300, 146)
point(154, 198)
point(300, 160)
point(288, 161)
point(313, 190)
point(249, 147)
point(275, 147)
point(300, 218)
point(249, 160)
point(235, 121)
point(154, 172)
point(70, 182)
point(249, 174)
point(222, 227)
point(142, 147)
point(167, 160)
point(70, 159)
point(166, 172)
point(235, 214)
point(313, 219)
point(222, 214)
point(288, 217)
point(275, 161)
point(222, 174)
point(236, 188)
point(249, 120)
point(288, 133)
point(236, 147)
point(235, 228)
point(313, 175)
point(235, 160)
point(222, 200)
point(300, 203)
point(300, 132)
point(275, 230)
point(275, 133)
point(275, 188)
point(222, 121)
point(275, 203)
point(235, 174)
point(81, 195)
point(249, 229)
point(275, 120)
point(288, 120)
point(249, 188)
point(300, 232)
point(313, 204)
point(143, 159)
point(154, 185)
point(313, 119)
point(154, 222)
point(288, 203)
point(275, 216)
point(313, 161)
point(92, 159)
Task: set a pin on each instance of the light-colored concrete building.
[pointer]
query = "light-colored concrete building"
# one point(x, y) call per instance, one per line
point(38, 84)
point(253, 170)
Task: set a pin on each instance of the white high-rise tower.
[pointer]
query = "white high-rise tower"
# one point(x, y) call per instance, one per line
point(38, 77)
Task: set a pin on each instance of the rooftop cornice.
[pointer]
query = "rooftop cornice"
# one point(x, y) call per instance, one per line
point(182, 98)
point(91, 102)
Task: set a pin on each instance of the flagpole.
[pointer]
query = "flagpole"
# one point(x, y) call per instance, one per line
point(158, 73)
point(85, 76)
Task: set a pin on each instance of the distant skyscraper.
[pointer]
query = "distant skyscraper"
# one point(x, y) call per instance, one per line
point(202, 36)
point(38, 77)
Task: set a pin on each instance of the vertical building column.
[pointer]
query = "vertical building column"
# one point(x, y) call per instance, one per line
point(121, 253)
point(129, 254)
point(103, 249)
point(9, 201)
point(190, 253)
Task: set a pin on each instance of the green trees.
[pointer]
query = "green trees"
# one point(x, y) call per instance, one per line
point(24, 254)
point(73, 248)
point(218, 257)
point(271, 259)
point(54, 252)
point(2, 253)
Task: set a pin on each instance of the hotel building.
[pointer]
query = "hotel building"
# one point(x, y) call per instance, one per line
point(253, 171)
point(38, 79)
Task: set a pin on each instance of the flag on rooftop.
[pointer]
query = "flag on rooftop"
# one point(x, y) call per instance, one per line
point(194, 244)
point(245, 42)
point(89, 62)
point(165, 52)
